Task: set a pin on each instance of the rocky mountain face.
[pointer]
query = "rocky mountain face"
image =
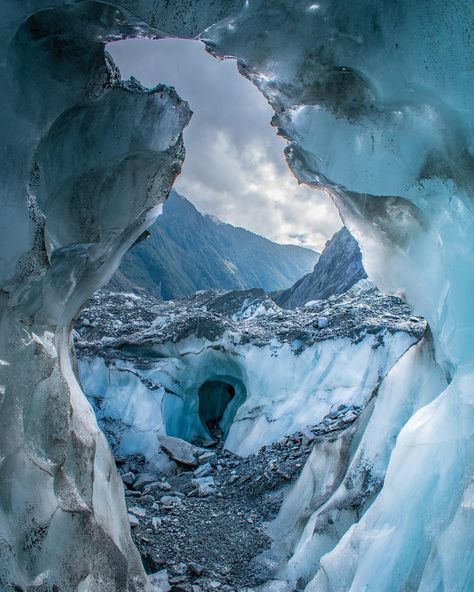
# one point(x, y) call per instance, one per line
point(189, 251)
point(336, 271)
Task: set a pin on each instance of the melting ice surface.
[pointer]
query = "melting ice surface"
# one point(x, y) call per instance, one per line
point(375, 99)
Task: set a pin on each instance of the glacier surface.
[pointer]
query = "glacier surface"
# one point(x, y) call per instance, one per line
point(144, 373)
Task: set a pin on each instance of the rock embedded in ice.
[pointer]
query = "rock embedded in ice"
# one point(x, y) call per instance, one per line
point(322, 322)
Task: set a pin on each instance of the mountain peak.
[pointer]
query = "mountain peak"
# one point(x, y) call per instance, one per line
point(189, 251)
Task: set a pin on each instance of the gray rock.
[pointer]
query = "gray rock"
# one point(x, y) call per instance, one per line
point(157, 485)
point(203, 471)
point(171, 501)
point(208, 457)
point(204, 486)
point(137, 511)
point(308, 436)
point(323, 322)
point(143, 479)
point(196, 568)
point(179, 450)
point(133, 520)
point(128, 478)
point(159, 581)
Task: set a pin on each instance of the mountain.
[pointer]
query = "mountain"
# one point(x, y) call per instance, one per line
point(337, 270)
point(189, 251)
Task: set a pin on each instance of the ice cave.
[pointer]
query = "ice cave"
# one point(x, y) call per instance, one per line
point(374, 101)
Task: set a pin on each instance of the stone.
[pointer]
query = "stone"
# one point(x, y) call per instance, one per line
point(133, 520)
point(208, 457)
point(131, 493)
point(179, 569)
point(128, 478)
point(143, 479)
point(323, 322)
point(179, 450)
point(196, 568)
point(233, 478)
point(137, 511)
point(203, 471)
point(171, 501)
point(156, 523)
point(308, 436)
point(159, 581)
point(204, 486)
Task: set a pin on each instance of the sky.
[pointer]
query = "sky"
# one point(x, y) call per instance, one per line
point(234, 167)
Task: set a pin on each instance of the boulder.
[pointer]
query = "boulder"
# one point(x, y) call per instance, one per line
point(204, 486)
point(159, 581)
point(144, 479)
point(203, 471)
point(179, 450)
point(128, 478)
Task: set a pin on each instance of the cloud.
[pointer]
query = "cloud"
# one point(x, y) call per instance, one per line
point(234, 167)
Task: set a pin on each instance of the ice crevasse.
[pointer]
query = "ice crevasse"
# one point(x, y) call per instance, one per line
point(375, 100)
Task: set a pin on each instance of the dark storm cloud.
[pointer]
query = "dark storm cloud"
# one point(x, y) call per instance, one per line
point(234, 165)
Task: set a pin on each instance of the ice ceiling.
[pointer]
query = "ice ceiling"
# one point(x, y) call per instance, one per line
point(375, 99)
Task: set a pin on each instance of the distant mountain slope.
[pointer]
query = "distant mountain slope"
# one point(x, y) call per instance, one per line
point(337, 270)
point(188, 251)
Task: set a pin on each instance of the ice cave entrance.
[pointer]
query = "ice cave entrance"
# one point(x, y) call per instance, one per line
point(214, 396)
point(218, 404)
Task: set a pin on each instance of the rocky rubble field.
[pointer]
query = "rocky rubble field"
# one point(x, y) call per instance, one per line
point(203, 528)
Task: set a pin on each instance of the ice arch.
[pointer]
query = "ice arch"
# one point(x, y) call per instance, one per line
point(392, 145)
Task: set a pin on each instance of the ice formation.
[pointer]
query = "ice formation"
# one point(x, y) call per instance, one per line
point(288, 369)
point(375, 99)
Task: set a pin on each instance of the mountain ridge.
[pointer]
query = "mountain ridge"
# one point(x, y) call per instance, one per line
point(189, 251)
point(338, 268)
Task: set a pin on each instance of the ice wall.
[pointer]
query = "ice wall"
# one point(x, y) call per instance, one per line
point(375, 99)
point(86, 161)
point(283, 392)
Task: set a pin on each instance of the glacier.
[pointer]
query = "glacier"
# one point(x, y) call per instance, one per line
point(375, 101)
point(144, 374)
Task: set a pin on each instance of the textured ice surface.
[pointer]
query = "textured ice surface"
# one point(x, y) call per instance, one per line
point(86, 161)
point(375, 98)
point(143, 373)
